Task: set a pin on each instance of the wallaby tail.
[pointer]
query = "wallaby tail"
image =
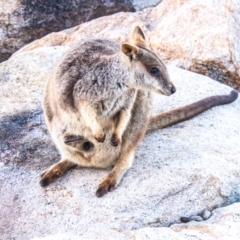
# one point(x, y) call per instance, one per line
point(181, 114)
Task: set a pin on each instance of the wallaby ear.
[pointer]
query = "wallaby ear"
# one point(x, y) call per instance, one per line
point(130, 50)
point(138, 37)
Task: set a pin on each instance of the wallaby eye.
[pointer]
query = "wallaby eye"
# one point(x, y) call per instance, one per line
point(153, 71)
point(87, 146)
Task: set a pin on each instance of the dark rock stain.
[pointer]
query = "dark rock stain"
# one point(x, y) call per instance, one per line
point(21, 145)
point(43, 17)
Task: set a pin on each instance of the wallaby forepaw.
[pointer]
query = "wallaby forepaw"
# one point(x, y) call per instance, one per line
point(100, 137)
point(115, 140)
point(106, 186)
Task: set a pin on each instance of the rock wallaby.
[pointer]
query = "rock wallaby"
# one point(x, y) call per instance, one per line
point(97, 105)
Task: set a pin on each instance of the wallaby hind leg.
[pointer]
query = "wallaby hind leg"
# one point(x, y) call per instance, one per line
point(55, 171)
point(110, 182)
point(133, 134)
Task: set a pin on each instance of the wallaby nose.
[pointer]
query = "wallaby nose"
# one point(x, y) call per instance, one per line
point(173, 90)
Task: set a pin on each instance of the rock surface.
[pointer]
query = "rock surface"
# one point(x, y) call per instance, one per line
point(139, 5)
point(180, 171)
point(22, 21)
point(201, 36)
point(224, 224)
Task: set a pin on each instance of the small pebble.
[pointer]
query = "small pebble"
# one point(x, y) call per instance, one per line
point(184, 219)
point(206, 214)
point(197, 218)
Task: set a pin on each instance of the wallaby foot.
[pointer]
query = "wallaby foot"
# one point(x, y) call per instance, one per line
point(100, 137)
point(115, 140)
point(55, 171)
point(111, 181)
point(107, 185)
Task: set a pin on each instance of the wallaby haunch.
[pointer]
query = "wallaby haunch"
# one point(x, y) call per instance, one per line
point(97, 105)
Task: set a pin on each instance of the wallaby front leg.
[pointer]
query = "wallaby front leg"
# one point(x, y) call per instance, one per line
point(55, 171)
point(123, 118)
point(110, 182)
point(90, 117)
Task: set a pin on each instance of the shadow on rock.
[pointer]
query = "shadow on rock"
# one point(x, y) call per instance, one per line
point(24, 140)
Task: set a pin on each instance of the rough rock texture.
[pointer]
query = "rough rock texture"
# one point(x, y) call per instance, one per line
point(139, 5)
point(201, 36)
point(22, 21)
point(180, 171)
point(224, 224)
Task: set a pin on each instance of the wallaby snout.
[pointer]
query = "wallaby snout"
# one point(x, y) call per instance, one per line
point(169, 90)
point(165, 88)
point(173, 89)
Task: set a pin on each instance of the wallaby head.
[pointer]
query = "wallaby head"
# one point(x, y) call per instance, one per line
point(148, 70)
